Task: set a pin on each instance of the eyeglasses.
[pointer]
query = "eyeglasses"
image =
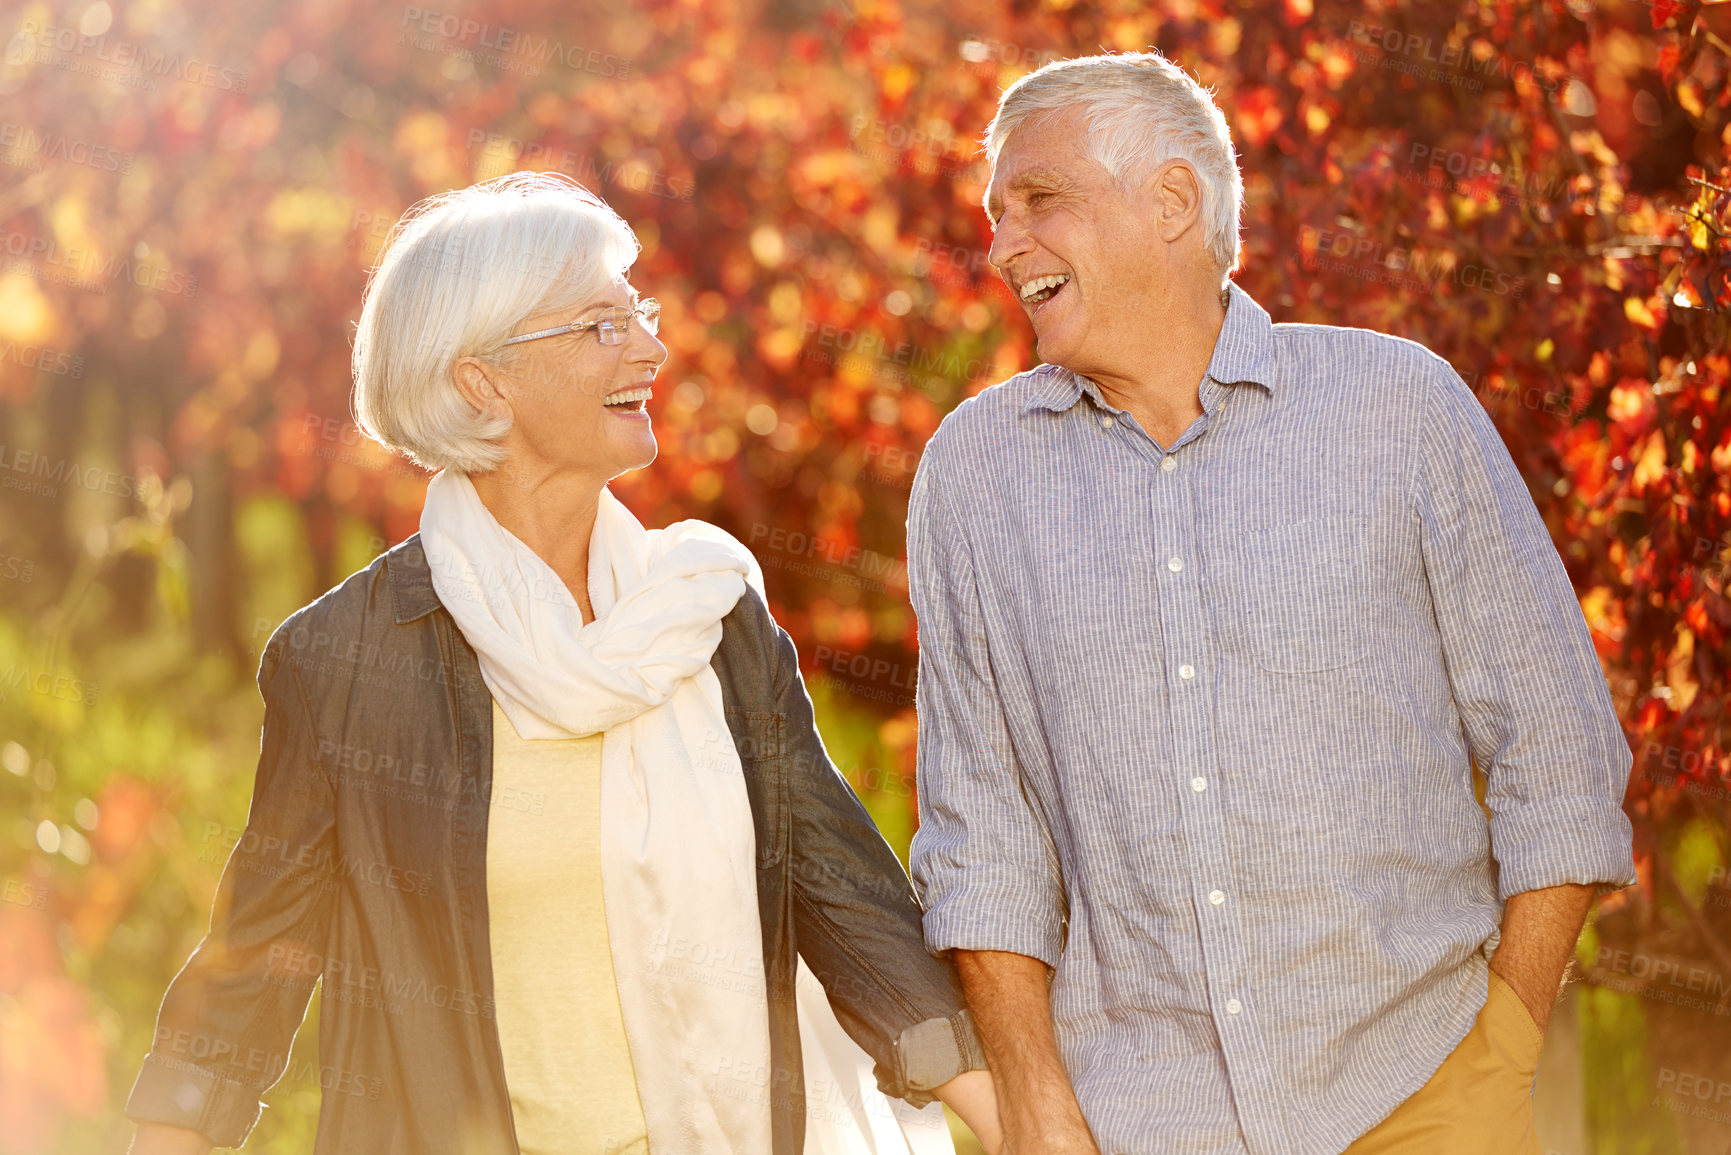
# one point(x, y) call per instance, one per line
point(610, 326)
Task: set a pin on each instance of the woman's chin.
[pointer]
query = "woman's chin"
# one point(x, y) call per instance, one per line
point(619, 445)
point(642, 453)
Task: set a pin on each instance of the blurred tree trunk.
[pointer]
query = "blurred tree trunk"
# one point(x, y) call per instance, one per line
point(208, 530)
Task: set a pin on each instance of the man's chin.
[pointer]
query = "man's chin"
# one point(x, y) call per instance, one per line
point(1053, 349)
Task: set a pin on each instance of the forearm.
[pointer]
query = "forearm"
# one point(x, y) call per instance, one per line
point(1538, 937)
point(1012, 1009)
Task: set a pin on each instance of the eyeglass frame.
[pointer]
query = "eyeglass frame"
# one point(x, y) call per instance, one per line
point(649, 309)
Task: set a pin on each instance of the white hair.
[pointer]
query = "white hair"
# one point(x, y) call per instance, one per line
point(459, 272)
point(1142, 111)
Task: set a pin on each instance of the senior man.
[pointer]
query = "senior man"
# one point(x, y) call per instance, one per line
point(1215, 618)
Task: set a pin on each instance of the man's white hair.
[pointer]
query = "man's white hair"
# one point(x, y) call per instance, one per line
point(1142, 111)
point(459, 272)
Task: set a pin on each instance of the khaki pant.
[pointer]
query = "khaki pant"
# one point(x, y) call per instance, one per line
point(1479, 1102)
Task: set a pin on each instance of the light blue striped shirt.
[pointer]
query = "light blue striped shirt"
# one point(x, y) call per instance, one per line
point(1195, 728)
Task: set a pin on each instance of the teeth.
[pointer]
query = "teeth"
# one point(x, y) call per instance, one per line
point(1041, 284)
point(627, 396)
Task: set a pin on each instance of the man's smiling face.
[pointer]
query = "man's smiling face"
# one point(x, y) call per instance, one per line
point(1079, 253)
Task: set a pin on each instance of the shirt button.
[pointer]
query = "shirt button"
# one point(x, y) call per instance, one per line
point(1168, 464)
point(1199, 784)
point(1186, 672)
point(1217, 897)
point(1233, 1006)
point(1106, 421)
point(1175, 564)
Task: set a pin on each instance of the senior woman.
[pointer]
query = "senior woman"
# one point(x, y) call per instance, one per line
point(540, 799)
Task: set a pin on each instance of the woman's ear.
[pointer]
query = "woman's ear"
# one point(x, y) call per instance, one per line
point(475, 383)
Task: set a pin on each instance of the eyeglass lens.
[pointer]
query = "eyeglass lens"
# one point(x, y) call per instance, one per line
point(613, 324)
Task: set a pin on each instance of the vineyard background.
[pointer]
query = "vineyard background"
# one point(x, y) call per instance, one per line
point(191, 193)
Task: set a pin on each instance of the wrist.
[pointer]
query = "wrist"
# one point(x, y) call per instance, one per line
point(1536, 995)
point(1053, 1119)
point(1050, 1135)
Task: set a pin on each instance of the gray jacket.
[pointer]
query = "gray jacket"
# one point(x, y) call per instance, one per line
point(363, 864)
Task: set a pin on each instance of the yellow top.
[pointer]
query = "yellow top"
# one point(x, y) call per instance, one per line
point(566, 1060)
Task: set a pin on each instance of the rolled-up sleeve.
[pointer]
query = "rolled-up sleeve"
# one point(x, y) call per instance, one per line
point(1525, 678)
point(982, 858)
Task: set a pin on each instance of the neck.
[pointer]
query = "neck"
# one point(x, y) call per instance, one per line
point(551, 512)
point(1158, 376)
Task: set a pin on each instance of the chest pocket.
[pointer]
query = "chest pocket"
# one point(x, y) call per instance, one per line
point(759, 737)
point(1304, 594)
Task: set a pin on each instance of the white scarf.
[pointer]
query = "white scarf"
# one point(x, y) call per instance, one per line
point(678, 847)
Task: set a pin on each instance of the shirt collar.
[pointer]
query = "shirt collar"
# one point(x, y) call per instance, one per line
point(1055, 388)
point(1244, 351)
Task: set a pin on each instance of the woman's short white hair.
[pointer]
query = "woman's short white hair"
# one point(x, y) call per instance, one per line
point(459, 272)
point(1142, 111)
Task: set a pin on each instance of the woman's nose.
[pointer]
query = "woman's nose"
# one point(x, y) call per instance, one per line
point(644, 347)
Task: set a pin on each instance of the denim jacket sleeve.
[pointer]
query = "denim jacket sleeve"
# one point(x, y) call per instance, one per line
point(857, 922)
point(228, 1020)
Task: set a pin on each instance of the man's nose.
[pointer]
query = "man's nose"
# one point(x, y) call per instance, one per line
point(1008, 242)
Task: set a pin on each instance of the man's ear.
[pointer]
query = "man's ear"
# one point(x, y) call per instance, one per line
point(475, 383)
point(1177, 197)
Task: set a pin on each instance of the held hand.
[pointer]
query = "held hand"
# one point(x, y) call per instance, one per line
point(1009, 996)
point(1058, 1127)
point(1051, 1137)
point(974, 1099)
point(1054, 1129)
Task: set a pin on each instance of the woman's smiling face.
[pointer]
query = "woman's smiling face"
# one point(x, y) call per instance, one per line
point(579, 404)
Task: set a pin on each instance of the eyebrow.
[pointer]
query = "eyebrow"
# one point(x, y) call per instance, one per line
point(604, 303)
point(1044, 178)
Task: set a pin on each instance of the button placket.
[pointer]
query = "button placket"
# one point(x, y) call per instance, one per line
point(1188, 644)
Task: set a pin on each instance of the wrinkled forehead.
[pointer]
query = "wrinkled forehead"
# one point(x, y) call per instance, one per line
point(572, 294)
